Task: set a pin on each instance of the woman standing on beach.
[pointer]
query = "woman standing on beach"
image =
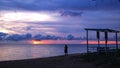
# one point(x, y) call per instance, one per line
point(66, 49)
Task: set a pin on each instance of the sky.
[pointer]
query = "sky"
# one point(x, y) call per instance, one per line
point(58, 17)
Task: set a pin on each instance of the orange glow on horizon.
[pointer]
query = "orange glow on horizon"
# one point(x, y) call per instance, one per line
point(101, 42)
point(36, 42)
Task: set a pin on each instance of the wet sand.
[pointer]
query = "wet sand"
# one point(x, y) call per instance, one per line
point(70, 61)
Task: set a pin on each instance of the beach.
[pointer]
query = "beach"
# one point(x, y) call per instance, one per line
point(70, 61)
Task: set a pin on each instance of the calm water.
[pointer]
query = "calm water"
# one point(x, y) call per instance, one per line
point(16, 52)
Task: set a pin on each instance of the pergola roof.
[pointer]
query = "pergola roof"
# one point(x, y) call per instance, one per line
point(103, 30)
point(106, 37)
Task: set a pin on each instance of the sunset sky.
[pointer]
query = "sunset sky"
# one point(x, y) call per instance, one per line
point(58, 17)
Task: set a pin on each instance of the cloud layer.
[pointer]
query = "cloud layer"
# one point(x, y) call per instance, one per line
point(58, 4)
point(58, 17)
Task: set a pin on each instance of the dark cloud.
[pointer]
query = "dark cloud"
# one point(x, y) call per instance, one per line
point(81, 15)
point(28, 28)
point(18, 37)
point(57, 4)
point(71, 13)
point(70, 37)
point(28, 36)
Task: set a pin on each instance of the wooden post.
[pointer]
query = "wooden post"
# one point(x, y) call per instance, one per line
point(106, 39)
point(98, 37)
point(87, 40)
point(116, 41)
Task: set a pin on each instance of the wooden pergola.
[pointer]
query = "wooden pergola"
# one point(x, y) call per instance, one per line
point(106, 31)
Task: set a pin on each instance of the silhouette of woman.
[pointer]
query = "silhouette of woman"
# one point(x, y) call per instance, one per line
point(66, 49)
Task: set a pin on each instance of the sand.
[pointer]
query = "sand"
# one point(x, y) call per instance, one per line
point(70, 61)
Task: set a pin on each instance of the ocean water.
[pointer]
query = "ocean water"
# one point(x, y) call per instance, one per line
point(17, 52)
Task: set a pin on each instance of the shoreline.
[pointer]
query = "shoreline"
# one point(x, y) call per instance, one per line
point(78, 60)
point(47, 57)
point(70, 61)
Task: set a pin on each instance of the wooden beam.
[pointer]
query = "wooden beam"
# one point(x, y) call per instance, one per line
point(103, 30)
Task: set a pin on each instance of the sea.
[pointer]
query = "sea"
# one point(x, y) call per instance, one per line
point(29, 51)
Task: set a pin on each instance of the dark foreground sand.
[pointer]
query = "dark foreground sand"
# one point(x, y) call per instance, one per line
point(71, 61)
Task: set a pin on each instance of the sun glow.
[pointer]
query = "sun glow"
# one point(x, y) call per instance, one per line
point(5, 30)
point(36, 42)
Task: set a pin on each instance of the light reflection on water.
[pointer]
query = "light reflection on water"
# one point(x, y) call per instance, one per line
point(16, 52)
